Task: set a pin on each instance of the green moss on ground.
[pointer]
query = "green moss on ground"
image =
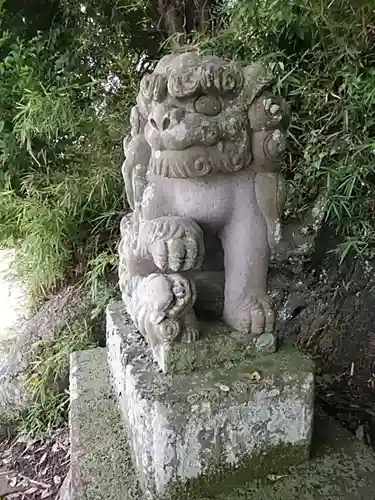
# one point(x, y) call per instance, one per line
point(222, 348)
point(222, 478)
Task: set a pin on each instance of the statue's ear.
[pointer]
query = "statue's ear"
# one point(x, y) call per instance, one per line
point(137, 153)
point(257, 77)
point(126, 142)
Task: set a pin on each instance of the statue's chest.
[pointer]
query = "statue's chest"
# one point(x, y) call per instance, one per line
point(208, 200)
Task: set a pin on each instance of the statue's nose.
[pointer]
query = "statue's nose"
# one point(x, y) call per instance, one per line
point(160, 117)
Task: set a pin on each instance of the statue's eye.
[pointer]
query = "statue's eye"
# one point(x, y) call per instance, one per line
point(273, 109)
point(207, 105)
point(183, 84)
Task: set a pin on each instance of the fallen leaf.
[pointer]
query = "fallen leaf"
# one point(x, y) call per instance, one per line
point(44, 456)
point(41, 448)
point(46, 494)
point(359, 433)
point(275, 477)
point(30, 491)
point(44, 471)
point(224, 387)
point(255, 376)
point(13, 481)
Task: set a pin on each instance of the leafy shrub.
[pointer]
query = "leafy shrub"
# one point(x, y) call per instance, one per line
point(323, 52)
point(65, 94)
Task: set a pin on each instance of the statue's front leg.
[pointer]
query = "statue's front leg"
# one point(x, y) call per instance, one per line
point(160, 301)
point(246, 255)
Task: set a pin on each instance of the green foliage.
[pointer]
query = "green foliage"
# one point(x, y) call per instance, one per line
point(47, 416)
point(323, 53)
point(65, 95)
point(47, 374)
point(69, 72)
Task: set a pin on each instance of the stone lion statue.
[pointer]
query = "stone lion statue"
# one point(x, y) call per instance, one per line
point(202, 178)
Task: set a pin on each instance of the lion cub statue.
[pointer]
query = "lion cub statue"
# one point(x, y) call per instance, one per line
point(201, 169)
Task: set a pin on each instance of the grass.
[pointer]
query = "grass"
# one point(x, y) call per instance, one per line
point(61, 188)
point(63, 226)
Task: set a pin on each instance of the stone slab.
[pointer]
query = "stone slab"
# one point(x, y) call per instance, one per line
point(100, 462)
point(223, 411)
point(341, 467)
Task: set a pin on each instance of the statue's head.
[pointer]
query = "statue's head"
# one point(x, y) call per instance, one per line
point(201, 114)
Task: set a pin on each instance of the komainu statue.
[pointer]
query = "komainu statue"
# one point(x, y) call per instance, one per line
point(202, 178)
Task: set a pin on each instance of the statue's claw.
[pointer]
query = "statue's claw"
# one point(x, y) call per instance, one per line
point(175, 244)
point(189, 335)
point(179, 254)
point(255, 317)
point(262, 317)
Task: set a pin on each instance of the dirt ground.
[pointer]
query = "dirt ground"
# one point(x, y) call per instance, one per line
point(326, 308)
point(33, 470)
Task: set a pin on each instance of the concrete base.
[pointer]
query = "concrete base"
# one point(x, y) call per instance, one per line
point(341, 467)
point(224, 414)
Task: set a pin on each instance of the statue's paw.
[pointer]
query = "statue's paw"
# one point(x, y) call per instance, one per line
point(174, 243)
point(189, 334)
point(256, 316)
point(177, 254)
point(262, 316)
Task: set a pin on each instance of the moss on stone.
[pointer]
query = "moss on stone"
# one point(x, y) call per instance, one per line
point(101, 465)
point(222, 478)
point(341, 468)
point(223, 348)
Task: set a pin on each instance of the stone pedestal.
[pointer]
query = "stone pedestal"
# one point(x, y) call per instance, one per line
point(215, 418)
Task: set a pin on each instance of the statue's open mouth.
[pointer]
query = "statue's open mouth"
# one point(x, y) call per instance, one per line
point(197, 161)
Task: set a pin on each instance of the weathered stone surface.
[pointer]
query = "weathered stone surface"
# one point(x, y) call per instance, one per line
point(341, 467)
point(50, 319)
point(225, 410)
point(100, 463)
point(219, 347)
point(202, 164)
